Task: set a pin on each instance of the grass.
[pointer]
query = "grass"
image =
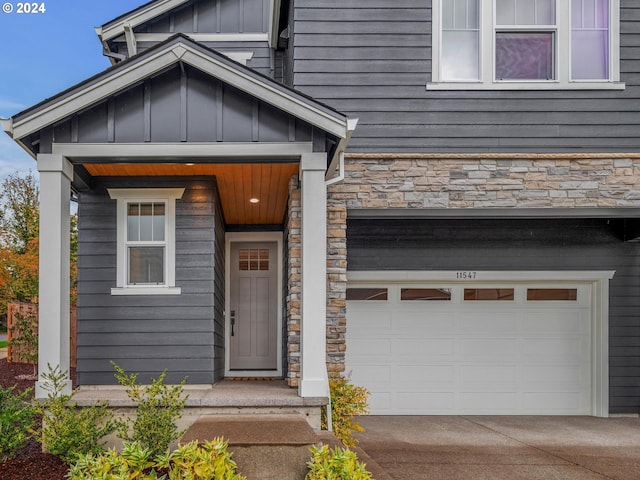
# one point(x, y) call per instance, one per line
point(3, 344)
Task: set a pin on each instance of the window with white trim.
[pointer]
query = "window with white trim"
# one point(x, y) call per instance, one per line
point(526, 44)
point(145, 240)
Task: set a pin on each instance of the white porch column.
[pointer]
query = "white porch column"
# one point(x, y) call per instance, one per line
point(56, 173)
point(313, 329)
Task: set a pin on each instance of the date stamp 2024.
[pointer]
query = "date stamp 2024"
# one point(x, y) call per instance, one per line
point(22, 8)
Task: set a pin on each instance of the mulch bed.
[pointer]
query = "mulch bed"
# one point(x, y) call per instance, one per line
point(30, 463)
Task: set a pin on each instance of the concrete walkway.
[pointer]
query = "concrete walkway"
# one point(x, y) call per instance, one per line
point(497, 448)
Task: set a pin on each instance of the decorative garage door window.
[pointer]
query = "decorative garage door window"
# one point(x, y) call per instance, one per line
point(553, 294)
point(500, 294)
point(426, 294)
point(253, 259)
point(367, 294)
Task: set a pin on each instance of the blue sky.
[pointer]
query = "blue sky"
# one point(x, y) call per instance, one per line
point(42, 54)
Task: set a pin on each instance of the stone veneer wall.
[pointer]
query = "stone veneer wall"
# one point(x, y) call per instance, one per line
point(294, 257)
point(489, 181)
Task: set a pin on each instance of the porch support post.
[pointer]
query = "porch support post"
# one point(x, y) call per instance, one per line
point(56, 173)
point(313, 329)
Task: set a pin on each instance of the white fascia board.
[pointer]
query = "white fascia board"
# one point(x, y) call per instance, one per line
point(342, 146)
point(7, 126)
point(274, 21)
point(180, 150)
point(408, 276)
point(139, 17)
point(162, 59)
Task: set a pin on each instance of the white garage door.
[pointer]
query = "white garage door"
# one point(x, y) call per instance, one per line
point(501, 349)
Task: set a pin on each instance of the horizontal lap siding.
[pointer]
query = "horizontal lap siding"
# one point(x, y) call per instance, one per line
point(520, 245)
point(147, 334)
point(372, 60)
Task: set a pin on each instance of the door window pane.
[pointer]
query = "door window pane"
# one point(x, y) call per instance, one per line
point(543, 294)
point(146, 265)
point(367, 294)
point(253, 259)
point(472, 294)
point(590, 39)
point(460, 40)
point(524, 55)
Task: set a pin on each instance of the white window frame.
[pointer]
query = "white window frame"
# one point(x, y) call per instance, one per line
point(125, 196)
point(563, 81)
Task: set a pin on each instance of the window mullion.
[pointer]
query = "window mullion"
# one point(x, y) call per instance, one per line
point(488, 42)
point(563, 41)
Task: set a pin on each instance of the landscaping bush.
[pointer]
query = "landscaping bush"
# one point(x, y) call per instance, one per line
point(209, 461)
point(347, 402)
point(337, 464)
point(17, 417)
point(158, 409)
point(69, 431)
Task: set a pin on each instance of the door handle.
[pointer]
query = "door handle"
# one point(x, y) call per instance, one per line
point(233, 322)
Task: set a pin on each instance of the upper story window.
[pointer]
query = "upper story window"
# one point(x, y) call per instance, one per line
point(525, 44)
point(145, 240)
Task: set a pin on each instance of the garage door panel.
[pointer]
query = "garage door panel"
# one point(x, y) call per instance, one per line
point(556, 403)
point(487, 403)
point(488, 349)
point(558, 323)
point(380, 402)
point(477, 321)
point(406, 403)
point(375, 377)
point(369, 348)
point(421, 349)
point(371, 323)
point(488, 378)
point(555, 350)
point(560, 378)
point(413, 377)
point(421, 324)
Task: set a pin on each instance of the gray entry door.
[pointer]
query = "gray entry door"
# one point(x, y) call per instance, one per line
point(253, 316)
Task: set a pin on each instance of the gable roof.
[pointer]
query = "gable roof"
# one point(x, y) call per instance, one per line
point(155, 8)
point(178, 49)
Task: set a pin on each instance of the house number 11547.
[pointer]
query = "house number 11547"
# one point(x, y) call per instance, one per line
point(466, 275)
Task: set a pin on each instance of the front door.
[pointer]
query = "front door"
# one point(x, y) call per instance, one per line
point(253, 315)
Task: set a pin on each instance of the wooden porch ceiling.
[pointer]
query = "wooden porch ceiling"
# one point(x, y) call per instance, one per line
point(238, 184)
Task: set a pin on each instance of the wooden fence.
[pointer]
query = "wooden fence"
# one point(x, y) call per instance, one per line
point(23, 309)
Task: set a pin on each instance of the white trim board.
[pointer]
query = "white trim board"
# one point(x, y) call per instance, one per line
point(598, 280)
point(233, 237)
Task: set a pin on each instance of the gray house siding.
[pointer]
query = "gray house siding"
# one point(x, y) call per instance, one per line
point(177, 107)
point(147, 334)
point(215, 17)
point(560, 244)
point(372, 59)
point(219, 299)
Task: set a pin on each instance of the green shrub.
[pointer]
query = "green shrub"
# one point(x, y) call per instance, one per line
point(134, 463)
point(208, 461)
point(69, 431)
point(337, 464)
point(158, 409)
point(347, 402)
point(17, 417)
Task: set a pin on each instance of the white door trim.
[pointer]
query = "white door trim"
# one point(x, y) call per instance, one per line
point(598, 280)
point(233, 237)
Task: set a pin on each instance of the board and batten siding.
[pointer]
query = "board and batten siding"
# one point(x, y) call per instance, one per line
point(371, 59)
point(146, 334)
point(554, 244)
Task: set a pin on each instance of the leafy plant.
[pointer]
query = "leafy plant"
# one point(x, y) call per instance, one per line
point(347, 402)
point(208, 461)
point(69, 431)
point(337, 464)
point(17, 417)
point(24, 339)
point(134, 463)
point(158, 409)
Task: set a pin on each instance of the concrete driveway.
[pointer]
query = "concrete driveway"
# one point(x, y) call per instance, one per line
point(496, 448)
